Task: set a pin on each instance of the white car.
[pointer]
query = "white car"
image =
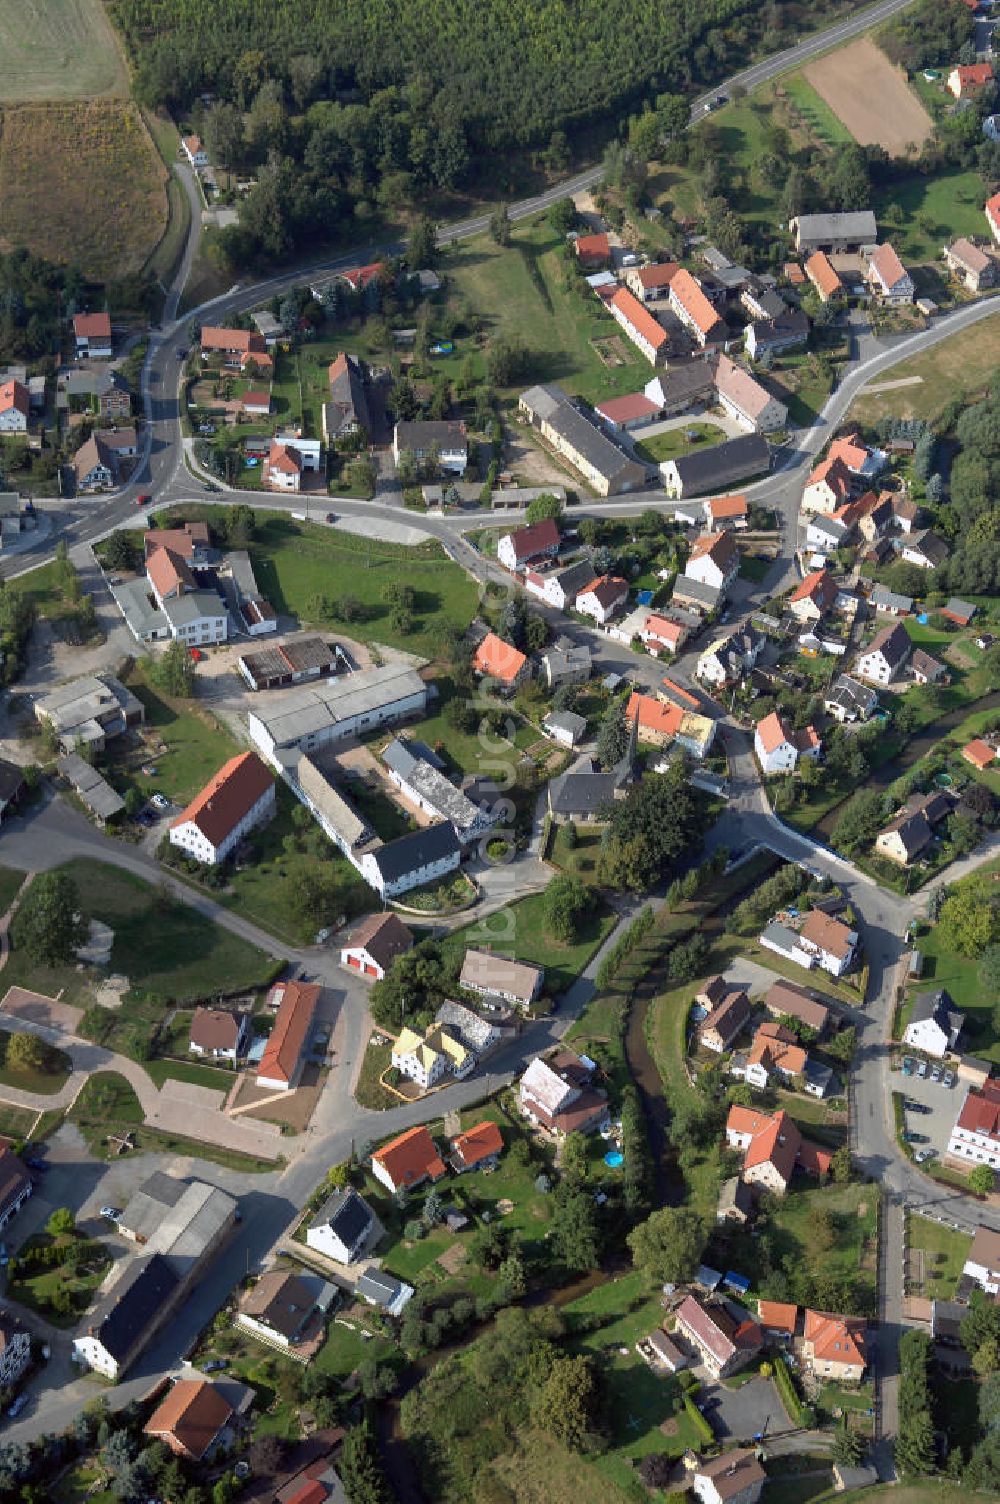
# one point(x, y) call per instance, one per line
point(923, 1154)
point(112, 1213)
point(160, 802)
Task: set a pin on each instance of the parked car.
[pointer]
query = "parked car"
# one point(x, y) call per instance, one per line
point(909, 1065)
point(936, 1073)
point(922, 1155)
point(912, 1106)
point(948, 1079)
point(159, 801)
point(922, 1069)
point(918, 1138)
point(214, 1364)
point(141, 501)
point(36, 1164)
point(111, 1212)
point(331, 516)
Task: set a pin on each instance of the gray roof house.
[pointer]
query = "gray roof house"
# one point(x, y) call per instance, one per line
point(935, 1024)
point(834, 232)
point(716, 468)
point(587, 447)
point(343, 1227)
point(383, 1290)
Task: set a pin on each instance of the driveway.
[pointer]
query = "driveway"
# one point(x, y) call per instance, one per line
point(745, 1412)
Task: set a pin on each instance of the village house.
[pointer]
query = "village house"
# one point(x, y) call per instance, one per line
point(95, 465)
point(725, 1342)
point(281, 1065)
point(727, 659)
point(417, 771)
point(726, 1021)
point(660, 634)
point(602, 597)
point(970, 265)
point(375, 944)
point(813, 597)
point(775, 1051)
point(789, 1000)
point(905, 837)
point(982, 1262)
point(773, 1148)
point(778, 746)
point(726, 511)
point(926, 550)
point(478, 1034)
point(834, 1347)
point(237, 348)
point(714, 560)
point(580, 440)
point(283, 468)
point(828, 487)
point(219, 1033)
point(443, 443)
point(717, 467)
point(746, 400)
point(194, 151)
point(694, 309)
point(343, 1227)
point(627, 413)
point(927, 670)
point(407, 1161)
point(834, 232)
point(660, 722)
point(934, 1024)
point(885, 656)
point(427, 1058)
point(832, 942)
point(287, 1311)
point(677, 389)
point(646, 332)
point(191, 1419)
point(571, 665)
point(779, 1320)
point(501, 661)
point(979, 754)
point(789, 331)
point(864, 463)
point(238, 799)
point(15, 407)
point(958, 611)
point(497, 978)
point(969, 78)
point(478, 1148)
point(557, 1094)
point(826, 533)
point(762, 300)
point(560, 587)
point(92, 335)
point(593, 251)
point(649, 283)
point(992, 212)
point(824, 277)
point(518, 550)
point(890, 602)
point(976, 1134)
point(887, 278)
point(346, 413)
point(734, 1477)
point(102, 389)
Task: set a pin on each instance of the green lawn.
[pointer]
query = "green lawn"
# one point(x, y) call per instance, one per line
point(580, 858)
point(521, 930)
point(945, 1253)
point(47, 1083)
point(345, 1347)
point(754, 568)
point(10, 883)
point(369, 1091)
point(677, 441)
point(934, 210)
point(196, 745)
point(530, 289)
point(298, 563)
point(16, 1122)
point(824, 125)
point(959, 975)
point(36, 1289)
point(188, 1070)
point(266, 888)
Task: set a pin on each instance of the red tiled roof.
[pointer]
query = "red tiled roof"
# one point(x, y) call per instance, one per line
point(14, 395)
point(682, 694)
point(693, 301)
point(777, 1316)
point(92, 325)
point(777, 1144)
point(501, 660)
point(850, 450)
point(242, 340)
point(835, 1339)
point(788, 998)
point(721, 507)
point(827, 933)
point(311, 1492)
point(536, 539)
point(168, 572)
point(653, 715)
point(481, 1141)
point(640, 318)
point(626, 409)
point(979, 753)
point(821, 272)
point(228, 797)
point(719, 547)
point(886, 265)
point(360, 276)
point(256, 397)
point(410, 1158)
point(993, 208)
point(182, 540)
point(772, 732)
point(836, 475)
point(384, 937)
point(973, 75)
point(981, 1110)
point(593, 248)
point(292, 1027)
point(193, 1412)
point(663, 628)
point(606, 589)
point(819, 587)
point(284, 457)
point(660, 275)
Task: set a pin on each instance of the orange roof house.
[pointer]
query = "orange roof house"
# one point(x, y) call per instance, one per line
point(225, 803)
point(723, 509)
point(189, 1418)
point(169, 574)
point(407, 1161)
point(593, 250)
point(969, 78)
point(823, 276)
point(480, 1142)
point(778, 1316)
point(500, 660)
point(693, 308)
point(772, 1148)
point(95, 326)
point(14, 398)
point(828, 487)
point(232, 341)
point(775, 1048)
point(657, 722)
point(282, 1060)
point(834, 1345)
point(638, 322)
point(815, 595)
point(992, 211)
point(979, 753)
point(186, 540)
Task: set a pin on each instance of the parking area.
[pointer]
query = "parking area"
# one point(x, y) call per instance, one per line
point(943, 1102)
point(751, 1410)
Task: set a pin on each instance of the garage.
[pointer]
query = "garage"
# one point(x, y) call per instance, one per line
point(354, 961)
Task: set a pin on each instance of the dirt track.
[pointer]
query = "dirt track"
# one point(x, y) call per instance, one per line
point(870, 96)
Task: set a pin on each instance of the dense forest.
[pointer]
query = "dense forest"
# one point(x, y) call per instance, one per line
point(342, 109)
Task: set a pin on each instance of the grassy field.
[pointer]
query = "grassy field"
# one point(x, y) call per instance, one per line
point(525, 936)
point(934, 210)
point(16, 1122)
point(528, 290)
point(58, 49)
point(82, 182)
point(296, 563)
point(945, 1251)
point(189, 1070)
point(677, 441)
point(196, 745)
point(10, 882)
point(46, 1083)
point(36, 1290)
point(823, 124)
point(580, 859)
point(959, 975)
point(955, 367)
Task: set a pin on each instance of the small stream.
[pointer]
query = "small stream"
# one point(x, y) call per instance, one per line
point(917, 747)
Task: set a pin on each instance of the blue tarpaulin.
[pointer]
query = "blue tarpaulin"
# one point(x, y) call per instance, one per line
point(737, 1282)
point(644, 597)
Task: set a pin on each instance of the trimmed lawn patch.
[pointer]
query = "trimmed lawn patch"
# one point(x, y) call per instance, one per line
point(45, 1082)
point(579, 859)
point(345, 1347)
point(187, 1070)
point(81, 1269)
point(525, 936)
point(676, 441)
point(369, 1091)
point(934, 210)
point(16, 1122)
point(10, 884)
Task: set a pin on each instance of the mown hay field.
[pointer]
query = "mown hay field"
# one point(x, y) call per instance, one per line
point(870, 96)
point(82, 183)
point(58, 49)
